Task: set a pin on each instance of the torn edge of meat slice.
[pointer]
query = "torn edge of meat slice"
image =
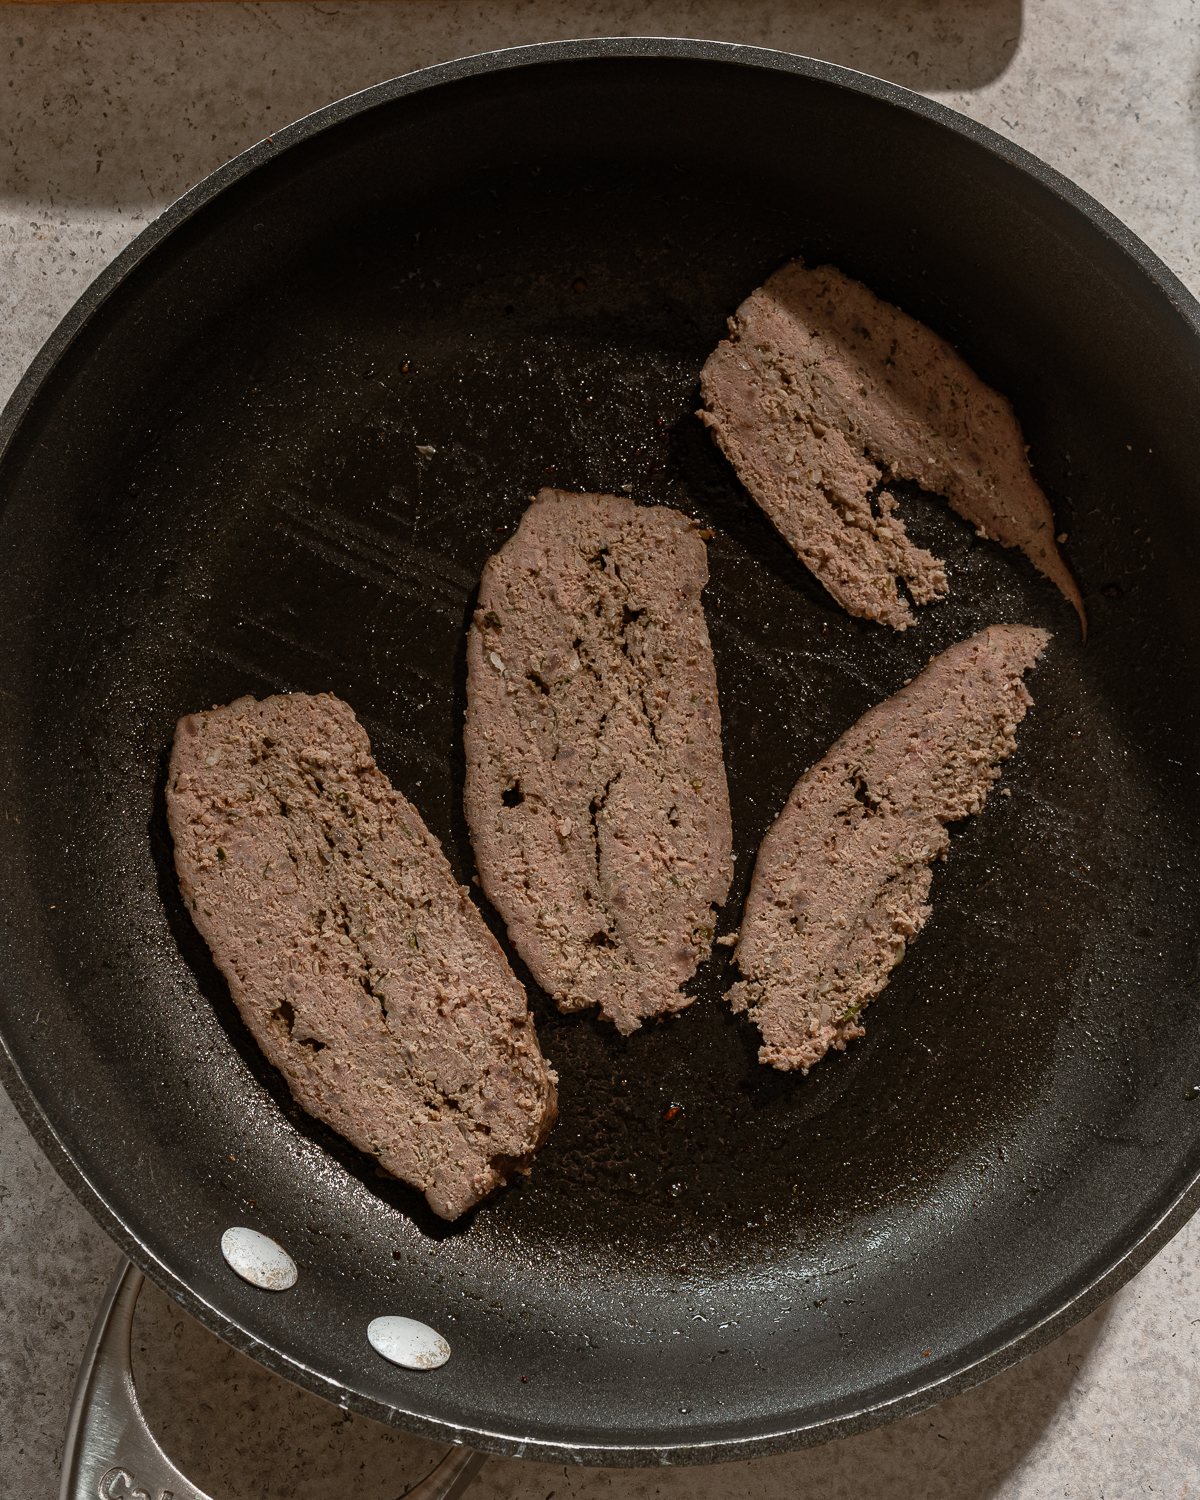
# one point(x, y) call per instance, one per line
point(823, 390)
point(595, 792)
point(362, 969)
point(841, 882)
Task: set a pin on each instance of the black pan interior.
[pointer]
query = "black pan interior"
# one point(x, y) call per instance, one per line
point(220, 490)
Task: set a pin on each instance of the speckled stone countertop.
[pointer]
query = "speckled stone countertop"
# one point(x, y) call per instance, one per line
point(111, 111)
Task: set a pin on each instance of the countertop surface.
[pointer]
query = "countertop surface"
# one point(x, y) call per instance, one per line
point(111, 111)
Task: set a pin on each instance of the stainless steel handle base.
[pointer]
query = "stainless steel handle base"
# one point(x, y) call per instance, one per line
point(110, 1453)
point(452, 1477)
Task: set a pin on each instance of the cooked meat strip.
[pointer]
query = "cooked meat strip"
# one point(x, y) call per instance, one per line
point(595, 790)
point(820, 391)
point(362, 970)
point(842, 877)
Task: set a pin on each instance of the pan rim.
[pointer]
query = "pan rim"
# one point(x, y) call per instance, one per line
point(507, 59)
point(964, 1377)
point(970, 1370)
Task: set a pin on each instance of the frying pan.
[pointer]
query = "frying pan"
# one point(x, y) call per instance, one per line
point(270, 450)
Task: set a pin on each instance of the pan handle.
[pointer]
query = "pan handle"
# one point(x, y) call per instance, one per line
point(110, 1453)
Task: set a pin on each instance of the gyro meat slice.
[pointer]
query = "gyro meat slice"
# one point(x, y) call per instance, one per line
point(595, 790)
point(360, 967)
point(821, 391)
point(842, 878)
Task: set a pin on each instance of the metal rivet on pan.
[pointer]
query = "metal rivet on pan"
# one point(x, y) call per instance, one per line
point(259, 1260)
point(406, 1342)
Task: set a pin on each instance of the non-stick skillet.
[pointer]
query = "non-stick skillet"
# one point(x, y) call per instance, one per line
point(270, 449)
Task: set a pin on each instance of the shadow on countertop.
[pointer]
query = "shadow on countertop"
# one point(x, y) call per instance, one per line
point(127, 106)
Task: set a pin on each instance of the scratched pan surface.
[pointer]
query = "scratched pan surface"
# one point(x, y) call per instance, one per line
point(215, 485)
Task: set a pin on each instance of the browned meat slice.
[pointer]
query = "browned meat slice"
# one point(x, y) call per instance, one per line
point(841, 878)
point(596, 792)
point(362, 970)
point(820, 391)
